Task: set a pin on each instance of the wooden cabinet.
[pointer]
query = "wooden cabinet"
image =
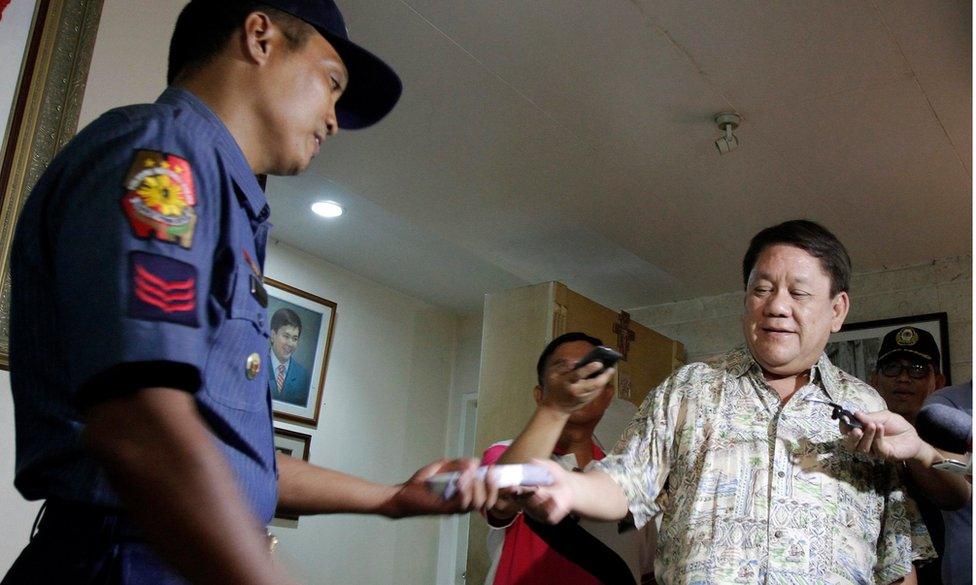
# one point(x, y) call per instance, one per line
point(518, 324)
point(649, 356)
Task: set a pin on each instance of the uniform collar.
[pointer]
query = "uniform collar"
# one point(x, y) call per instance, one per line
point(240, 169)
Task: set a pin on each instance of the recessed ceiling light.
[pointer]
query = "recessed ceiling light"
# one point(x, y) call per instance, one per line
point(327, 208)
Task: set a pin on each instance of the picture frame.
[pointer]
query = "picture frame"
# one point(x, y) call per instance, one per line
point(302, 326)
point(293, 444)
point(854, 348)
point(43, 115)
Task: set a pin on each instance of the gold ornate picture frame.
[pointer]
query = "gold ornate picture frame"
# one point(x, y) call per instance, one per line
point(44, 116)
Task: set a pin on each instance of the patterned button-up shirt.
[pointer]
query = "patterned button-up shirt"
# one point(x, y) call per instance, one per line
point(754, 490)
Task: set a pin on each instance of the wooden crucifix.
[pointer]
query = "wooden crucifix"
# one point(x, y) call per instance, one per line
point(624, 333)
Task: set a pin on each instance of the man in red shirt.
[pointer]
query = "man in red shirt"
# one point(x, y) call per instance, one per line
point(572, 552)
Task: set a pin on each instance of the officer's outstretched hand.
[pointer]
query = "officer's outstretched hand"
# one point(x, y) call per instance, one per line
point(414, 498)
point(567, 389)
point(885, 435)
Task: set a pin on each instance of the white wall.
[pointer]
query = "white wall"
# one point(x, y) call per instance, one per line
point(127, 28)
point(15, 24)
point(17, 513)
point(384, 415)
point(710, 325)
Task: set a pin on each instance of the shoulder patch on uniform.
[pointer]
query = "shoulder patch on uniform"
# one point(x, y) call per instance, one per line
point(163, 289)
point(160, 198)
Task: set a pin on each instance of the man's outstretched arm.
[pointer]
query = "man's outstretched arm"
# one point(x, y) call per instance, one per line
point(592, 494)
point(304, 488)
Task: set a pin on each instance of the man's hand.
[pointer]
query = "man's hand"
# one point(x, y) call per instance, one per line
point(891, 437)
point(567, 389)
point(413, 498)
point(885, 435)
point(553, 502)
point(501, 504)
point(592, 495)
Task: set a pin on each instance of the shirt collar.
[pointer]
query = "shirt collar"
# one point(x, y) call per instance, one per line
point(275, 362)
point(240, 169)
point(597, 451)
point(828, 375)
point(741, 362)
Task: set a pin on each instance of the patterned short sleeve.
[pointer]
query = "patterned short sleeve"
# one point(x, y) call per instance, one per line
point(640, 462)
point(903, 537)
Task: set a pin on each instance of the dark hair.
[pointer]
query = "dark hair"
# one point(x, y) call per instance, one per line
point(810, 237)
point(286, 318)
point(204, 27)
point(540, 367)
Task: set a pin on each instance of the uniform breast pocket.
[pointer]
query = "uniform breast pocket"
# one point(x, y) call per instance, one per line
point(237, 368)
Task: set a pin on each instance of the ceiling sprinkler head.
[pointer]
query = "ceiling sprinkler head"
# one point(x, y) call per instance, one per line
point(727, 122)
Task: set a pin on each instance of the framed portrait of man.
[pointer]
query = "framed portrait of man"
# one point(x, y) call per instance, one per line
point(298, 353)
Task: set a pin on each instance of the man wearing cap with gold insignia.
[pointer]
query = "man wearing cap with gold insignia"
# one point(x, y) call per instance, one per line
point(907, 372)
point(139, 317)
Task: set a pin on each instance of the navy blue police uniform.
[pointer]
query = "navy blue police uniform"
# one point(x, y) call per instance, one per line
point(136, 263)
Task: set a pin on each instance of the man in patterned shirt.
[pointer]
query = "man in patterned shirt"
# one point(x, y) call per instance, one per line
point(755, 480)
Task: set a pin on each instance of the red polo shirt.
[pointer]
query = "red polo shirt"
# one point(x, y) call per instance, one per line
point(525, 558)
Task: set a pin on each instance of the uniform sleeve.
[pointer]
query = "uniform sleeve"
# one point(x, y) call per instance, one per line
point(641, 460)
point(903, 537)
point(132, 247)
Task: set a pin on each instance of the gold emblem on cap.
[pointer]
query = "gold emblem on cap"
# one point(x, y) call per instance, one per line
point(252, 366)
point(907, 336)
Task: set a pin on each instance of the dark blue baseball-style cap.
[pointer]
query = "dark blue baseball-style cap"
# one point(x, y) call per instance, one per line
point(373, 87)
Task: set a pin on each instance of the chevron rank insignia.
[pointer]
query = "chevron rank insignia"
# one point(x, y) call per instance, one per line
point(163, 289)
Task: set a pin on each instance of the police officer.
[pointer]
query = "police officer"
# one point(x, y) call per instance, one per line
point(139, 332)
point(908, 371)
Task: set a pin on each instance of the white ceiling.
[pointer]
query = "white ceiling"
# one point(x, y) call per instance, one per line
point(572, 140)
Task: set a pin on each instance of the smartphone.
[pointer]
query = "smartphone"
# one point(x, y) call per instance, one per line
point(527, 474)
point(955, 466)
point(603, 354)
